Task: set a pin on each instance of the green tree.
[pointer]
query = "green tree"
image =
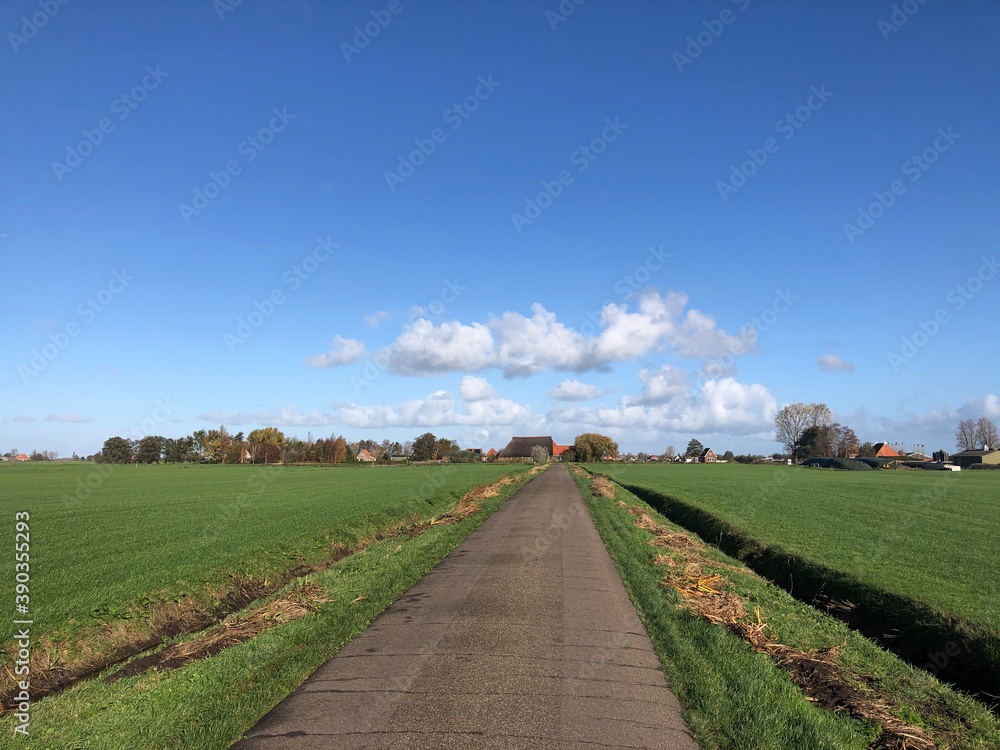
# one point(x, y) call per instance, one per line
point(694, 449)
point(116, 451)
point(794, 419)
point(866, 450)
point(150, 449)
point(591, 446)
point(728, 456)
point(425, 447)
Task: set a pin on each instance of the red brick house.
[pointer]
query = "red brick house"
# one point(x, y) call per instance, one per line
point(707, 456)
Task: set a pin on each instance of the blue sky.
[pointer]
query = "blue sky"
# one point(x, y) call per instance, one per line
point(712, 164)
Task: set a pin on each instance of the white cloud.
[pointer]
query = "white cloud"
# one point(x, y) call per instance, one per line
point(436, 410)
point(521, 346)
point(426, 349)
point(721, 406)
point(24, 418)
point(476, 389)
point(342, 352)
point(659, 386)
point(833, 363)
point(74, 418)
point(371, 321)
point(574, 390)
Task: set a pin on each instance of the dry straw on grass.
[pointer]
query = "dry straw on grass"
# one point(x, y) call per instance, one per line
point(817, 673)
point(602, 487)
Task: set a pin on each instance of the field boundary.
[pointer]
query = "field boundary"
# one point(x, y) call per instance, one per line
point(953, 649)
point(184, 617)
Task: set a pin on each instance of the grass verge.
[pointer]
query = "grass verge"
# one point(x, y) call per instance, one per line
point(955, 649)
point(741, 691)
point(210, 702)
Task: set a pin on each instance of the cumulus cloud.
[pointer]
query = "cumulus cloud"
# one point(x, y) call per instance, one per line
point(371, 321)
point(721, 406)
point(342, 352)
point(476, 389)
point(436, 410)
point(574, 390)
point(74, 418)
point(521, 345)
point(661, 385)
point(24, 418)
point(833, 363)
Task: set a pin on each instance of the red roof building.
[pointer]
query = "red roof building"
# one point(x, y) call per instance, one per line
point(882, 450)
point(22, 457)
point(558, 450)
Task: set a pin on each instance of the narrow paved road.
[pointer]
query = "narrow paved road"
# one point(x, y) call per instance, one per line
point(523, 637)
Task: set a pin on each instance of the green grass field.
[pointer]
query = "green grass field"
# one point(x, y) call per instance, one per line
point(913, 551)
point(928, 535)
point(155, 531)
point(209, 703)
point(736, 698)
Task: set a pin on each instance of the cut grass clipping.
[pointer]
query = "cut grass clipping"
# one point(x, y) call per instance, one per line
point(176, 695)
point(753, 667)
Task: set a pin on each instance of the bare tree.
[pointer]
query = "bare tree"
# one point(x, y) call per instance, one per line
point(670, 451)
point(986, 434)
point(965, 436)
point(794, 419)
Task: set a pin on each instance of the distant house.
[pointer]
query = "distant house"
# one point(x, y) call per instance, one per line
point(520, 447)
point(965, 459)
point(397, 458)
point(364, 455)
point(22, 457)
point(917, 456)
point(491, 453)
point(708, 457)
point(558, 450)
point(882, 450)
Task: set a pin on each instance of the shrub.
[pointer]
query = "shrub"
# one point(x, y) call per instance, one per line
point(844, 464)
point(992, 467)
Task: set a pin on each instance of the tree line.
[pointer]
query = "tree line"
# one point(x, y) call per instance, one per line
point(271, 445)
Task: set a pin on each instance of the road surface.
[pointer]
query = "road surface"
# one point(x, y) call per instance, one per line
point(523, 637)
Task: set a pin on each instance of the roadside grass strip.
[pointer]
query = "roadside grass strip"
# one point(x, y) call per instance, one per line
point(204, 689)
point(754, 667)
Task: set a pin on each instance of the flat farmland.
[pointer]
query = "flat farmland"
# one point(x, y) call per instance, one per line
point(107, 539)
point(907, 557)
point(927, 535)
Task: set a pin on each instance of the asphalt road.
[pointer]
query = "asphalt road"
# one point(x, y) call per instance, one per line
point(523, 637)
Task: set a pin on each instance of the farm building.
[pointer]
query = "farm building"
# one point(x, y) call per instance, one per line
point(969, 458)
point(491, 453)
point(558, 450)
point(520, 447)
point(883, 450)
point(708, 457)
point(22, 457)
point(364, 455)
